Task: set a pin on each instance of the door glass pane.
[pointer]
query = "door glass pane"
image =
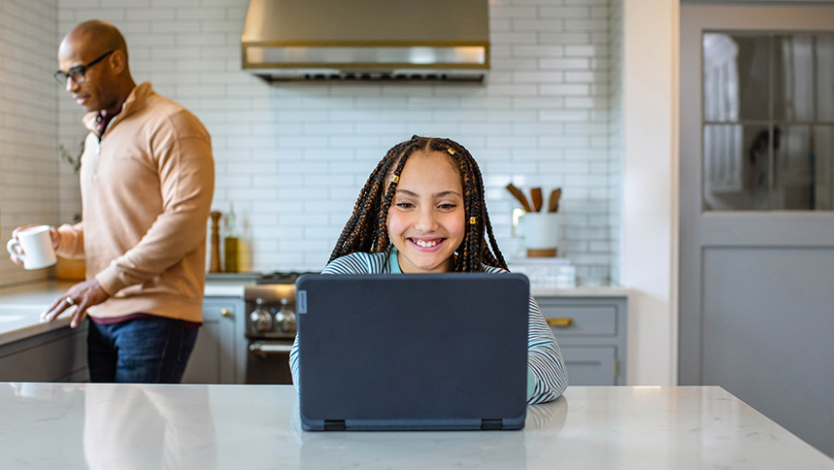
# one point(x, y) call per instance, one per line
point(793, 81)
point(825, 77)
point(793, 184)
point(803, 160)
point(736, 162)
point(736, 71)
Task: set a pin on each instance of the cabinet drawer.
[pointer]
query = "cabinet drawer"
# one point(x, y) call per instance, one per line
point(579, 320)
point(47, 362)
point(214, 310)
point(590, 366)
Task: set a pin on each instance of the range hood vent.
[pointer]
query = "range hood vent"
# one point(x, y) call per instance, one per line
point(360, 40)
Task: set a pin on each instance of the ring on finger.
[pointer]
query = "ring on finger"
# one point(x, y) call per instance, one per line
point(69, 300)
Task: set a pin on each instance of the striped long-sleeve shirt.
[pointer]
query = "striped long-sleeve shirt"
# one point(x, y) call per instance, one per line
point(546, 374)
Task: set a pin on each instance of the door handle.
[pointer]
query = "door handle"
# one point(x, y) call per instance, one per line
point(560, 322)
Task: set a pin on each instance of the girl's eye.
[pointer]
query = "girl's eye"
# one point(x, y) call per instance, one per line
point(447, 206)
point(405, 205)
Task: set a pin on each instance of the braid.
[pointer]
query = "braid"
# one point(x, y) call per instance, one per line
point(367, 228)
point(381, 239)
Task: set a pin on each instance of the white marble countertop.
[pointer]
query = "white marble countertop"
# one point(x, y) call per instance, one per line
point(81, 426)
point(581, 291)
point(21, 307)
point(232, 288)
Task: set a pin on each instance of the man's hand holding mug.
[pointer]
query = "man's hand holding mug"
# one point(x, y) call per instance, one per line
point(33, 246)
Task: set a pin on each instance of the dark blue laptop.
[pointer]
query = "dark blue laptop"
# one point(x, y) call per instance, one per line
point(413, 351)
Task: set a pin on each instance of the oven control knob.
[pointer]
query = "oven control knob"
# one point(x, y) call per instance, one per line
point(285, 318)
point(260, 318)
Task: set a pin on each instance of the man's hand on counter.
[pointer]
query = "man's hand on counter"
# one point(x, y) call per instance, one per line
point(83, 295)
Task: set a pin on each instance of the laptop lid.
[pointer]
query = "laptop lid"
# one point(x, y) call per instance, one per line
point(415, 351)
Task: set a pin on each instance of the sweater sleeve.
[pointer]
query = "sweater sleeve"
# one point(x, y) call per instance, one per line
point(547, 378)
point(71, 244)
point(186, 174)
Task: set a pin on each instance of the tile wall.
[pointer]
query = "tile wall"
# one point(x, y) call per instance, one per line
point(292, 158)
point(28, 123)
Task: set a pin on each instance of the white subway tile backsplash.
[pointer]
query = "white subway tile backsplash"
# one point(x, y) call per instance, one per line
point(29, 169)
point(513, 12)
point(293, 157)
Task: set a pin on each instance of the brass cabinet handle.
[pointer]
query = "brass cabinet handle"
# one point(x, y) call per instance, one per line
point(225, 312)
point(560, 322)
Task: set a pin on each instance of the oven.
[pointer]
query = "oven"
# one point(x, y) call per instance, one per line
point(270, 328)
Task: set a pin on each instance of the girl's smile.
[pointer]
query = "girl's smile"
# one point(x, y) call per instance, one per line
point(423, 244)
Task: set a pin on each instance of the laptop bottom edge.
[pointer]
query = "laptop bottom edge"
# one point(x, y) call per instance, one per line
point(506, 424)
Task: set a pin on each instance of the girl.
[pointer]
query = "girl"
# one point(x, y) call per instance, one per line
point(423, 211)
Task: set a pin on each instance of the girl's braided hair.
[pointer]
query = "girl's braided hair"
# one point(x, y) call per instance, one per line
point(367, 229)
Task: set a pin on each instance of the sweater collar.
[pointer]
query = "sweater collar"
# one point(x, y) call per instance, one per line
point(135, 100)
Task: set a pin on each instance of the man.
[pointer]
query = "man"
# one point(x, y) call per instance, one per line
point(147, 180)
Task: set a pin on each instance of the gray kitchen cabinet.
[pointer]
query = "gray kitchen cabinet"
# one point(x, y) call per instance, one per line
point(55, 356)
point(214, 358)
point(591, 332)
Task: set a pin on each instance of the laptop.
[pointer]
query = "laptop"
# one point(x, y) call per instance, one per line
point(412, 351)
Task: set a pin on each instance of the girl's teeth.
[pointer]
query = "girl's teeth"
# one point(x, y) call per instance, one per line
point(426, 244)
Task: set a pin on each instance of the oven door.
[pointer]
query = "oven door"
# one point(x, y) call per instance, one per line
point(268, 361)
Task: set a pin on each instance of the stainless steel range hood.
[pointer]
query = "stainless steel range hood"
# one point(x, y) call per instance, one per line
point(366, 39)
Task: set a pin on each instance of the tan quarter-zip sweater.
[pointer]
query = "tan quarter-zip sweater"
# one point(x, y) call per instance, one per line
point(146, 191)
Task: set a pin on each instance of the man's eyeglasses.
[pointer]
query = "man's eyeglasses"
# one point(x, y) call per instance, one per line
point(77, 72)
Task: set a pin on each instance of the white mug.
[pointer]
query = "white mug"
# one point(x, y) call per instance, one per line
point(37, 247)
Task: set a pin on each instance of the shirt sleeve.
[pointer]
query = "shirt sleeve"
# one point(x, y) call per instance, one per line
point(544, 360)
point(71, 243)
point(186, 174)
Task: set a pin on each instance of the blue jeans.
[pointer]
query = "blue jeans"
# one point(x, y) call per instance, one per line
point(143, 350)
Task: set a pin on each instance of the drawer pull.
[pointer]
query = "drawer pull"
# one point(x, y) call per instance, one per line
point(225, 312)
point(560, 322)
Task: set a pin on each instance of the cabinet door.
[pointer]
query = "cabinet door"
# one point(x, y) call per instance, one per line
point(591, 365)
point(58, 355)
point(212, 360)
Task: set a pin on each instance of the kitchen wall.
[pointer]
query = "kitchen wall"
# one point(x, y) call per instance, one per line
point(28, 123)
point(292, 158)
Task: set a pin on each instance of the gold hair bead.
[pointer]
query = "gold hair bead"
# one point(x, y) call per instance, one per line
point(395, 179)
point(473, 220)
point(450, 150)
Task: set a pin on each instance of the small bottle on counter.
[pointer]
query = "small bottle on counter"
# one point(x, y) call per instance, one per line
point(230, 243)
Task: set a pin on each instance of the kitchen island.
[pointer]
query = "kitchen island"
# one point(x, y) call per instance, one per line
point(80, 426)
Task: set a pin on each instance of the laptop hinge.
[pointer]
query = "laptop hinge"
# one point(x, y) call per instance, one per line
point(334, 425)
point(492, 424)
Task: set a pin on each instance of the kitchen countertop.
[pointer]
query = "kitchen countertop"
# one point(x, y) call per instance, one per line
point(80, 426)
point(225, 285)
point(21, 306)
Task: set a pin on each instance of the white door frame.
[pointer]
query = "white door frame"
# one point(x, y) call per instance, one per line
point(650, 180)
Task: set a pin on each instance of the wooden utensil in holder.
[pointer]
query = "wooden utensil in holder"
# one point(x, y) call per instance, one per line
point(536, 196)
point(519, 196)
point(215, 242)
point(553, 201)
